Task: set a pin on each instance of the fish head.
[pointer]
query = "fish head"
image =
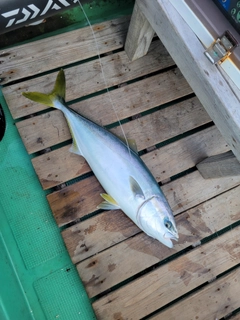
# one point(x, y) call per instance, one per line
point(155, 218)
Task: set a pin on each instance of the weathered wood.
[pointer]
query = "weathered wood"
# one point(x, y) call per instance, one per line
point(183, 154)
point(48, 54)
point(81, 198)
point(139, 36)
point(108, 247)
point(141, 252)
point(37, 129)
point(214, 301)
point(50, 170)
point(236, 316)
point(190, 190)
point(98, 233)
point(87, 78)
point(171, 280)
point(75, 201)
point(113, 227)
point(207, 82)
point(221, 165)
point(163, 163)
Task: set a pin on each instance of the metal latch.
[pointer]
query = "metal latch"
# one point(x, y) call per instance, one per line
point(221, 48)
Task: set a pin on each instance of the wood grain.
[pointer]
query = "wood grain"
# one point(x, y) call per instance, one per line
point(171, 280)
point(236, 316)
point(214, 301)
point(81, 198)
point(44, 55)
point(213, 90)
point(113, 226)
point(75, 201)
point(87, 78)
point(220, 165)
point(108, 248)
point(110, 227)
point(35, 131)
point(163, 163)
point(139, 39)
point(185, 153)
point(141, 251)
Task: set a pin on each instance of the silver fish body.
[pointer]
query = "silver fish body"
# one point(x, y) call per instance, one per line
point(128, 183)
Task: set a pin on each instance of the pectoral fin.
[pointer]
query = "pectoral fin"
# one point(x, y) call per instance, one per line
point(109, 203)
point(135, 187)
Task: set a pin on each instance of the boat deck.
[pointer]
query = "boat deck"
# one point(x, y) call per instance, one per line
point(126, 274)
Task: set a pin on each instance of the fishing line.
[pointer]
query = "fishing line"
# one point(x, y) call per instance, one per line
point(104, 77)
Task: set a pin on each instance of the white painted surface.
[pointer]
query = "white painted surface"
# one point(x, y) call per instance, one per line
point(205, 37)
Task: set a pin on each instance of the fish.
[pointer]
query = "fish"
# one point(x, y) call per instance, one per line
point(128, 183)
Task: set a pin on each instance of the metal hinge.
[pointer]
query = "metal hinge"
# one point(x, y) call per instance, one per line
point(221, 48)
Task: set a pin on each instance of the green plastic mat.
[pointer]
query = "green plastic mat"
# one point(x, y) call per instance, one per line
point(37, 278)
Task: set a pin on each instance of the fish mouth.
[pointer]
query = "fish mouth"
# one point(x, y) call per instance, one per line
point(169, 236)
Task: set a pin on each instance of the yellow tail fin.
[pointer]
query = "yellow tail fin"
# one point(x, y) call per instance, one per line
point(57, 93)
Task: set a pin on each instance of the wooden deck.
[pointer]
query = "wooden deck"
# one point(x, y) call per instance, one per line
point(128, 274)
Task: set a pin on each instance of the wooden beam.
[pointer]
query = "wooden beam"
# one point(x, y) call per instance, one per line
point(211, 302)
point(172, 280)
point(221, 165)
point(139, 35)
point(43, 55)
point(207, 82)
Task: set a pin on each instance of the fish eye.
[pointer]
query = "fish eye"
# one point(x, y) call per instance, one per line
point(168, 224)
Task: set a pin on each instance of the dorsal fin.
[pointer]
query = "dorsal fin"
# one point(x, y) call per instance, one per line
point(131, 143)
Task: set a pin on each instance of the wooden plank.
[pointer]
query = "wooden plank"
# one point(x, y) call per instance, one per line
point(214, 301)
point(221, 165)
point(87, 78)
point(81, 198)
point(75, 201)
point(113, 226)
point(163, 163)
point(183, 154)
point(141, 251)
point(35, 131)
point(171, 280)
point(164, 124)
point(98, 233)
point(51, 171)
point(192, 189)
point(236, 316)
point(140, 36)
point(207, 82)
point(48, 54)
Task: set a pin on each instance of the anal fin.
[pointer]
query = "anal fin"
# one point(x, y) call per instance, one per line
point(74, 147)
